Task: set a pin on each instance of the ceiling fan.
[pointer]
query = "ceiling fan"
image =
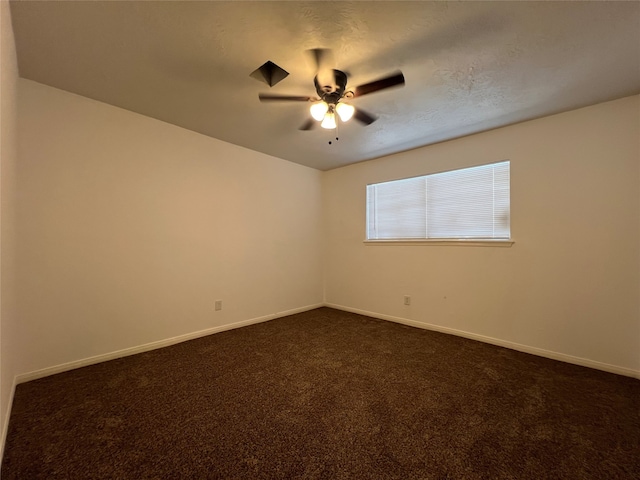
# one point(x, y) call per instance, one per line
point(331, 88)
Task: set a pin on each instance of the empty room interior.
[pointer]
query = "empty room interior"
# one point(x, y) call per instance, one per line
point(204, 277)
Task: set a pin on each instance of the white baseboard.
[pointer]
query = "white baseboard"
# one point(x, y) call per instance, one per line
point(7, 416)
point(190, 336)
point(26, 377)
point(45, 372)
point(628, 372)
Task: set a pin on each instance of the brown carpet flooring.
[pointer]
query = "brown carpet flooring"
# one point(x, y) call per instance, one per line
point(326, 395)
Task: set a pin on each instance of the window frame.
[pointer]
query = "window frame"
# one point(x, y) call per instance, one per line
point(452, 241)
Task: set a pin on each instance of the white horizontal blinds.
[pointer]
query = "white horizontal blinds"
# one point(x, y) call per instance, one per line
point(396, 209)
point(501, 201)
point(467, 203)
point(461, 203)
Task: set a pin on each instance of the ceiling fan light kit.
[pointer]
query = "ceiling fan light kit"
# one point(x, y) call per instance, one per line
point(345, 111)
point(325, 113)
point(318, 110)
point(329, 121)
point(331, 88)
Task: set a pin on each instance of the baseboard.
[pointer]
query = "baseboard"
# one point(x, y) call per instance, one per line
point(7, 416)
point(26, 377)
point(628, 372)
point(45, 372)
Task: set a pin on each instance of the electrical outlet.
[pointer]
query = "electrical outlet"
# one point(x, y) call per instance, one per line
point(407, 300)
point(218, 305)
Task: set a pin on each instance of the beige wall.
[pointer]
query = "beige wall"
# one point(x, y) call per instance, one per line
point(9, 348)
point(130, 228)
point(569, 285)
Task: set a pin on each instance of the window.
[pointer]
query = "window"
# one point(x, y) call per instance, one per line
point(470, 203)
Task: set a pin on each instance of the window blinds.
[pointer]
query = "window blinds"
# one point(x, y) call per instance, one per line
point(469, 203)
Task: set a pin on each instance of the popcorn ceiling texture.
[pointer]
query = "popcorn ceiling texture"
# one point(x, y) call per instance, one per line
point(469, 66)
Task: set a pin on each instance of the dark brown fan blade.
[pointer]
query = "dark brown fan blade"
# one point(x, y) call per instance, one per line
point(308, 125)
point(322, 63)
point(388, 82)
point(364, 117)
point(268, 97)
point(321, 59)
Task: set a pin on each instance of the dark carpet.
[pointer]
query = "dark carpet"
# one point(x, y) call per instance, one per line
point(326, 395)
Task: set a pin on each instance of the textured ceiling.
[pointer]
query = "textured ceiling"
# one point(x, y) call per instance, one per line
point(469, 66)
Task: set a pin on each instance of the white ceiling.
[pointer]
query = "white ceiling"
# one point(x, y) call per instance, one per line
point(469, 66)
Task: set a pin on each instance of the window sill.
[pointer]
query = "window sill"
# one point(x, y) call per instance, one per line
point(458, 242)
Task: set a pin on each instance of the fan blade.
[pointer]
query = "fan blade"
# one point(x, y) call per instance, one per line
point(388, 82)
point(364, 117)
point(322, 62)
point(268, 97)
point(321, 59)
point(308, 125)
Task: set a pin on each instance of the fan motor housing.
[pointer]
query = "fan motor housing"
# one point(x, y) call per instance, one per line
point(332, 93)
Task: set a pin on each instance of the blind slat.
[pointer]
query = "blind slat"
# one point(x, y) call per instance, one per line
point(468, 203)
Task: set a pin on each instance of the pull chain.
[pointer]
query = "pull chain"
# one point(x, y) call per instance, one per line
point(336, 133)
